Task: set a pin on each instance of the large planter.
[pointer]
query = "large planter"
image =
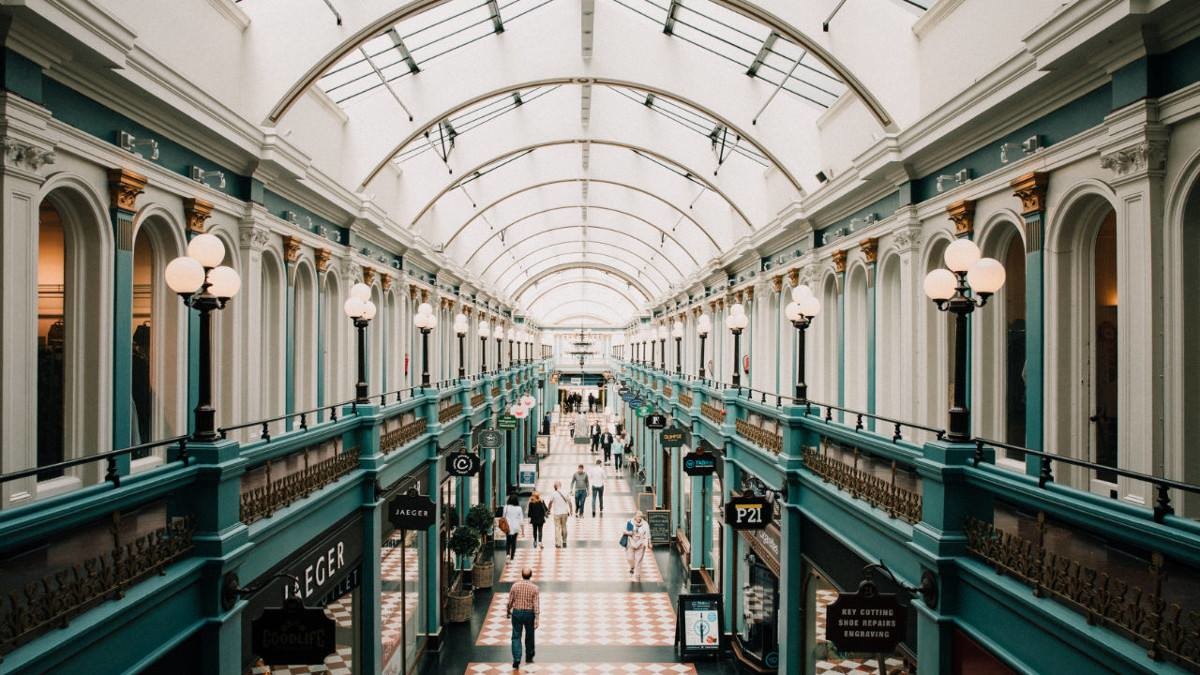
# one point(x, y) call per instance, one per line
point(460, 605)
point(481, 574)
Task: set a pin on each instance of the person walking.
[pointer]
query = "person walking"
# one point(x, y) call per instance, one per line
point(591, 402)
point(596, 480)
point(537, 517)
point(618, 452)
point(637, 532)
point(595, 433)
point(579, 485)
point(606, 443)
point(524, 608)
point(560, 510)
point(515, 518)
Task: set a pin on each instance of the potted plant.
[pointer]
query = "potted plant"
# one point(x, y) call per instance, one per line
point(464, 542)
point(480, 519)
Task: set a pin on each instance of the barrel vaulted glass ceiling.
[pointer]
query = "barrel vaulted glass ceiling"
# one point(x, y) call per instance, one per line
point(586, 158)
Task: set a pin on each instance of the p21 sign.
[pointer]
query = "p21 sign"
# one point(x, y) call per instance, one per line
point(749, 513)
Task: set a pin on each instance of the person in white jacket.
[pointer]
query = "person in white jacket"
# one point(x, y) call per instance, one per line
point(638, 533)
point(515, 519)
point(596, 477)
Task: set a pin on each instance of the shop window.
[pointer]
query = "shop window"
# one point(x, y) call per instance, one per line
point(51, 339)
point(1104, 329)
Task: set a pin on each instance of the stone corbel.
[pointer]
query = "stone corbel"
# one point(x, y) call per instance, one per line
point(1031, 190)
point(22, 155)
point(749, 293)
point(907, 239)
point(777, 283)
point(793, 277)
point(124, 187)
point(962, 214)
point(195, 213)
point(870, 249)
point(368, 275)
point(291, 248)
point(1147, 156)
point(839, 261)
point(385, 282)
point(253, 237)
point(697, 311)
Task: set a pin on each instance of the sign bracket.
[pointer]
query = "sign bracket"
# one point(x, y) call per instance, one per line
point(928, 590)
point(232, 589)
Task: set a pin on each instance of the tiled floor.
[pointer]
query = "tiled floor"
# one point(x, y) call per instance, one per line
point(573, 564)
point(586, 668)
point(576, 618)
point(847, 666)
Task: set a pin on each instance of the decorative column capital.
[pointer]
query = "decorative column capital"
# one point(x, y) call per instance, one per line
point(839, 261)
point(1031, 190)
point(124, 186)
point(22, 155)
point(907, 239)
point(1147, 156)
point(368, 275)
point(291, 248)
point(870, 249)
point(195, 213)
point(962, 214)
point(777, 283)
point(253, 237)
point(793, 277)
point(323, 256)
point(697, 311)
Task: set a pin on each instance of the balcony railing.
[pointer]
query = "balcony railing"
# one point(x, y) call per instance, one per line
point(712, 412)
point(450, 412)
point(407, 433)
point(759, 436)
point(667, 390)
point(262, 501)
point(477, 400)
point(685, 399)
point(880, 493)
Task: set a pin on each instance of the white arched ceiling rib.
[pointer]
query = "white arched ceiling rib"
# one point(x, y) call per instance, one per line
point(577, 318)
point(569, 252)
point(582, 275)
point(325, 44)
point(598, 215)
point(581, 234)
point(539, 294)
point(678, 177)
point(600, 295)
point(595, 266)
point(590, 305)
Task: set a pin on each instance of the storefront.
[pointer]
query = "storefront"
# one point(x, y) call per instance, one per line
point(326, 573)
point(756, 573)
point(712, 574)
point(401, 587)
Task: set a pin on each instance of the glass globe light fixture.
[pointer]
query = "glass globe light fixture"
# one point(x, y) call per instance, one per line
point(961, 255)
point(206, 249)
point(184, 275)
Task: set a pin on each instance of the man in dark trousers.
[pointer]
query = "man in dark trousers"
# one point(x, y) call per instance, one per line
point(591, 402)
point(595, 436)
point(523, 608)
point(606, 441)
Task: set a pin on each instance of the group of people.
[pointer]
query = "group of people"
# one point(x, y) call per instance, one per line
point(612, 446)
point(574, 402)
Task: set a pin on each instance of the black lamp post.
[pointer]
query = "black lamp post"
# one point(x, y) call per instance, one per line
point(483, 336)
point(460, 329)
point(800, 311)
point(703, 325)
point(736, 322)
point(967, 284)
point(426, 322)
point(499, 347)
point(205, 286)
point(662, 348)
point(677, 332)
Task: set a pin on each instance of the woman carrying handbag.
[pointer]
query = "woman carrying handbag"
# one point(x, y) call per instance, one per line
point(636, 540)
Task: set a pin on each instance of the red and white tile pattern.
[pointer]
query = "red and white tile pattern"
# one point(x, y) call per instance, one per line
point(578, 564)
point(585, 668)
point(338, 664)
point(575, 619)
point(845, 666)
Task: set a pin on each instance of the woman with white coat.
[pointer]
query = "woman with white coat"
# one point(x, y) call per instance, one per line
point(515, 518)
point(637, 532)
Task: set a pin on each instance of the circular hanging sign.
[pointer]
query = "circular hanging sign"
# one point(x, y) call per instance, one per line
point(528, 401)
point(462, 464)
point(519, 412)
point(490, 438)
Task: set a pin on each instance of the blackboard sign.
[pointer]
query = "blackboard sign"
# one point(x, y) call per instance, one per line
point(411, 512)
point(866, 622)
point(748, 513)
point(699, 624)
point(293, 635)
point(699, 463)
point(660, 526)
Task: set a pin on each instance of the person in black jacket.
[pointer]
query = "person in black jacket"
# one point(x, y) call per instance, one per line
point(595, 431)
point(536, 512)
point(606, 442)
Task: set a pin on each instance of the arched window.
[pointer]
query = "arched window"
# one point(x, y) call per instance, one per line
point(1000, 390)
point(333, 323)
point(891, 377)
point(857, 316)
point(1184, 379)
point(305, 338)
point(228, 380)
point(51, 339)
point(375, 341)
point(936, 347)
point(823, 360)
point(271, 324)
point(1104, 372)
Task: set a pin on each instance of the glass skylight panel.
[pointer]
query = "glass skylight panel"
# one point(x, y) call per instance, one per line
point(406, 48)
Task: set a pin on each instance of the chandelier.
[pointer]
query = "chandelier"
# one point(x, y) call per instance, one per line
point(583, 348)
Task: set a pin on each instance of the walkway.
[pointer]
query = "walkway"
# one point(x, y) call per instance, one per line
point(594, 618)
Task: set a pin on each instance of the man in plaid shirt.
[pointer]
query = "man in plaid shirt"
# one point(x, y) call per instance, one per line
point(523, 609)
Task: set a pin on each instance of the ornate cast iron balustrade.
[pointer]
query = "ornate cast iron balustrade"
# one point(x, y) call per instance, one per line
point(407, 433)
point(476, 400)
point(685, 399)
point(887, 496)
point(508, 386)
point(50, 602)
point(668, 391)
point(1166, 630)
point(713, 413)
point(261, 502)
point(759, 436)
point(495, 392)
point(449, 412)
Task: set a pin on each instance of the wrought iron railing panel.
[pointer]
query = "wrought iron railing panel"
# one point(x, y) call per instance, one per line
point(405, 434)
point(759, 436)
point(261, 502)
point(685, 399)
point(882, 494)
point(477, 400)
point(712, 412)
point(450, 412)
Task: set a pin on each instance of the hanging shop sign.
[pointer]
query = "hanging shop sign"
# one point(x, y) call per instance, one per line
point(674, 437)
point(660, 526)
point(645, 410)
point(527, 476)
point(748, 513)
point(698, 463)
point(528, 401)
point(866, 622)
point(635, 402)
point(490, 438)
point(656, 421)
point(411, 512)
point(293, 635)
point(623, 391)
point(462, 464)
point(506, 422)
point(699, 625)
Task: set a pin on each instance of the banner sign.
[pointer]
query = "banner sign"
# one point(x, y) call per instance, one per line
point(699, 625)
point(748, 513)
point(699, 463)
point(866, 621)
point(411, 512)
point(462, 464)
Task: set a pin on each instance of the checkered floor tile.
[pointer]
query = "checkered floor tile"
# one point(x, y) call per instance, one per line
point(338, 664)
point(578, 564)
point(846, 666)
point(605, 528)
point(585, 668)
point(630, 619)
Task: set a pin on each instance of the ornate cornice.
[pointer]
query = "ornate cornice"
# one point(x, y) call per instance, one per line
point(124, 186)
point(1145, 156)
point(195, 213)
point(962, 214)
point(839, 261)
point(1031, 190)
point(870, 249)
point(291, 248)
point(19, 154)
point(323, 256)
point(253, 237)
